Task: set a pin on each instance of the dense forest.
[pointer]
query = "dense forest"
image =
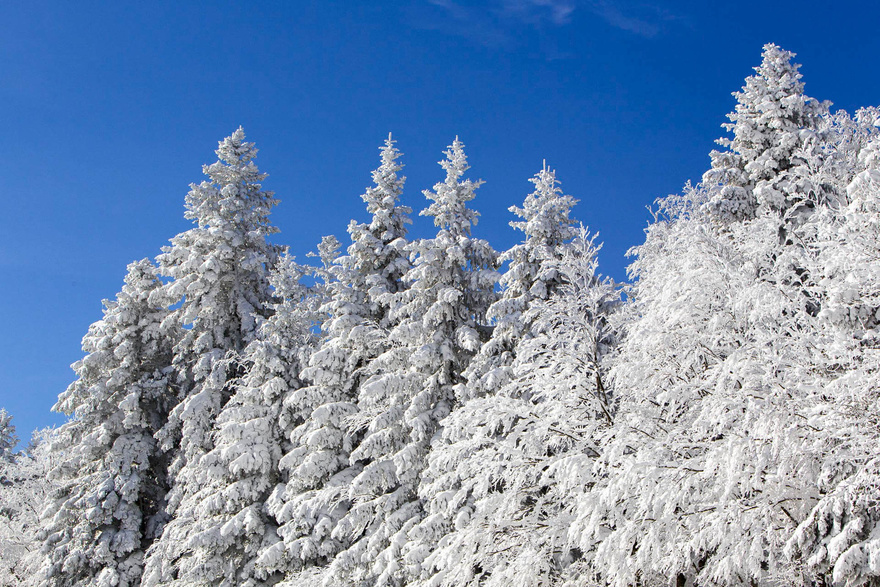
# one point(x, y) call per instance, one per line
point(433, 412)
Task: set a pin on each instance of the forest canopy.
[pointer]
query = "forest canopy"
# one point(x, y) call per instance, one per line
point(433, 412)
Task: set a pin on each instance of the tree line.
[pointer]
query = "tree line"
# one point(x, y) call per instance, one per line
point(433, 412)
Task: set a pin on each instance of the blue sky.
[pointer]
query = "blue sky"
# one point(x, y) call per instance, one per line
point(111, 108)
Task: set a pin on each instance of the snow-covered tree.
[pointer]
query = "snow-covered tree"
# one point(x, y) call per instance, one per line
point(767, 124)
point(499, 485)
point(220, 528)
point(219, 282)
point(850, 246)
point(8, 439)
point(437, 330)
point(547, 226)
point(365, 282)
point(219, 286)
point(726, 374)
point(24, 488)
point(111, 475)
point(723, 378)
point(839, 540)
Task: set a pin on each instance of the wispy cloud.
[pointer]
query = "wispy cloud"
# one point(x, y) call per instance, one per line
point(472, 22)
point(645, 20)
point(537, 12)
point(496, 23)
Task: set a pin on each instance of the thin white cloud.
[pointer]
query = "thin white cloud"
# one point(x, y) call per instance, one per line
point(497, 23)
point(537, 12)
point(645, 20)
point(475, 23)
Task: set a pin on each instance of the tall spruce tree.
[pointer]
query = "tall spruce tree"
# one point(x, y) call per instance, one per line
point(222, 527)
point(112, 476)
point(547, 226)
point(498, 488)
point(532, 275)
point(437, 330)
point(365, 282)
point(719, 436)
point(219, 286)
point(770, 114)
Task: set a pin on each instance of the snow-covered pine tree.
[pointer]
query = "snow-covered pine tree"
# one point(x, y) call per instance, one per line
point(437, 329)
point(219, 287)
point(365, 282)
point(718, 443)
point(499, 487)
point(547, 226)
point(531, 275)
point(839, 541)
point(656, 513)
point(770, 114)
point(24, 489)
point(111, 475)
point(8, 439)
point(221, 527)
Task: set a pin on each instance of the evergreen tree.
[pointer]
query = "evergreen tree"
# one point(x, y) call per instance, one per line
point(365, 281)
point(548, 227)
point(8, 439)
point(719, 443)
point(221, 528)
point(111, 475)
point(437, 323)
point(24, 488)
point(219, 284)
point(498, 488)
point(770, 114)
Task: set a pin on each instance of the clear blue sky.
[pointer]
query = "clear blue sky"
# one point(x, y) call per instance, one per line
point(111, 108)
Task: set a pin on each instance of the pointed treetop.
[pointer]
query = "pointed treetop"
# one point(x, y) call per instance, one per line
point(234, 150)
point(449, 207)
point(8, 439)
point(776, 64)
point(771, 101)
point(234, 194)
point(545, 211)
point(455, 163)
point(389, 186)
point(140, 275)
point(770, 113)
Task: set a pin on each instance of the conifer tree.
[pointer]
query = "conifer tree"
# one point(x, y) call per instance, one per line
point(25, 489)
point(219, 286)
point(221, 528)
point(8, 439)
point(533, 275)
point(718, 420)
point(838, 541)
point(111, 477)
point(365, 282)
point(547, 226)
point(770, 114)
point(499, 485)
point(437, 324)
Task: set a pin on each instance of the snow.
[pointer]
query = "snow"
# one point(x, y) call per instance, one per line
point(391, 417)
